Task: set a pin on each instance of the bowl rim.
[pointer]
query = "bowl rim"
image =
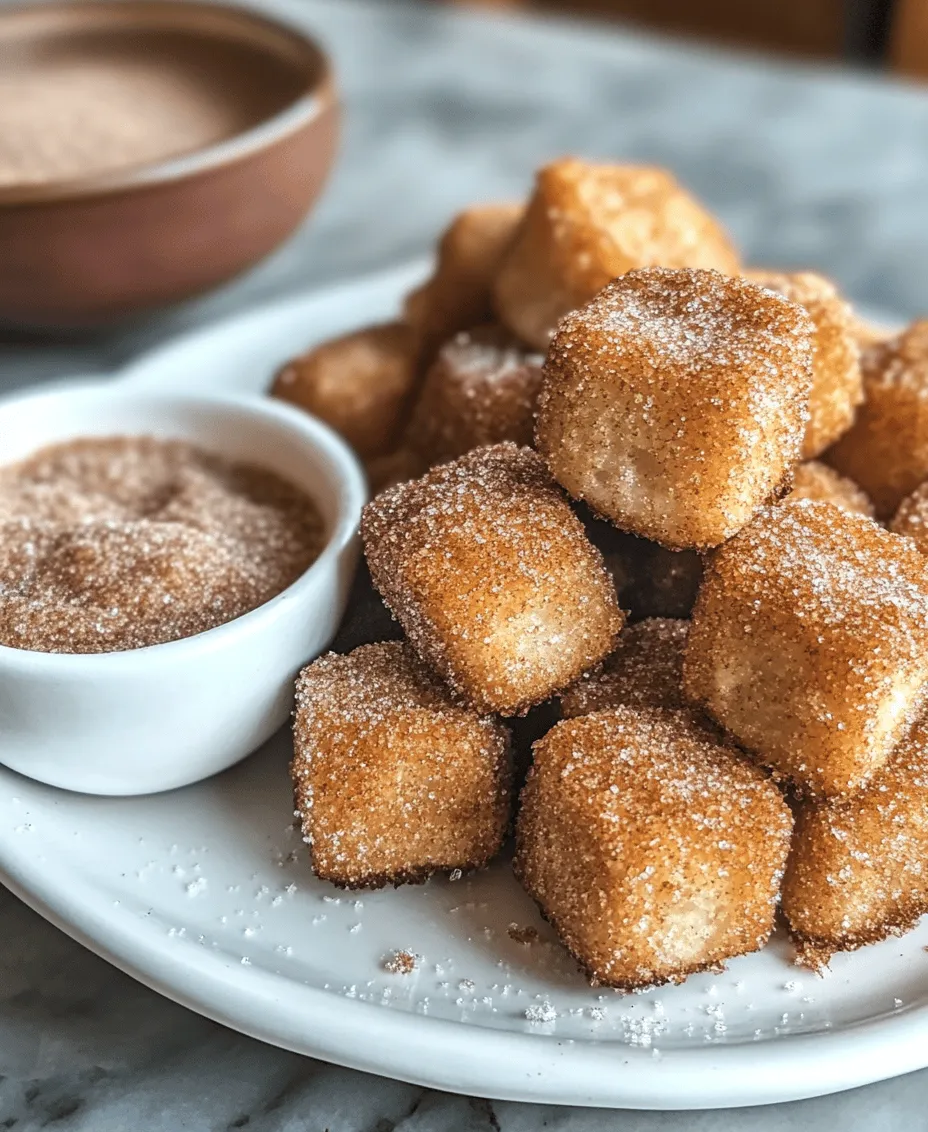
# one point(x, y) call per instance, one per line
point(318, 97)
point(342, 464)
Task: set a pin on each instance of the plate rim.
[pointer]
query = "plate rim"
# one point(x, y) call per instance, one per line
point(497, 1064)
point(506, 1065)
point(398, 277)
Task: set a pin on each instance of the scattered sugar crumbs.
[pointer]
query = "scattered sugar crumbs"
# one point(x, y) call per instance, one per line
point(525, 935)
point(401, 962)
point(116, 543)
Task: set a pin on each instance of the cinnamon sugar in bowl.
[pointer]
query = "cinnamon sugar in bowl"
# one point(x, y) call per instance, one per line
point(168, 564)
point(150, 150)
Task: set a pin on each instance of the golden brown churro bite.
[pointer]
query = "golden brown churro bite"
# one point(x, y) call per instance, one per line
point(588, 223)
point(809, 643)
point(837, 387)
point(481, 389)
point(675, 403)
point(491, 576)
point(646, 670)
point(359, 384)
point(393, 780)
point(912, 517)
point(816, 481)
point(886, 450)
point(857, 869)
point(458, 295)
point(654, 850)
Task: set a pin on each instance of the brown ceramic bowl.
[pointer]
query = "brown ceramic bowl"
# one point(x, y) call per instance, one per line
point(98, 244)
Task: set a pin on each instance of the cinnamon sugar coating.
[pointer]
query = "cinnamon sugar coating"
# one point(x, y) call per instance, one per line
point(653, 849)
point(490, 574)
point(809, 643)
point(359, 384)
point(646, 670)
point(481, 389)
point(675, 403)
point(837, 387)
point(117, 543)
point(458, 295)
point(817, 481)
point(911, 519)
point(586, 224)
point(392, 779)
point(858, 868)
point(886, 450)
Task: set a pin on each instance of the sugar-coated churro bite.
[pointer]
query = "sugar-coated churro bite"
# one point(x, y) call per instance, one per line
point(856, 872)
point(886, 450)
point(393, 780)
point(837, 387)
point(492, 577)
point(587, 223)
point(359, 384)
point(653, 849)
point(675, 403)
point(911, 519)
point(817, 481)
point(481, 389)
point(809, 643)
point(646, 670)
point(459, 293)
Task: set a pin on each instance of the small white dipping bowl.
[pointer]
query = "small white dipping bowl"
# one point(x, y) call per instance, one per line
point(155, 718)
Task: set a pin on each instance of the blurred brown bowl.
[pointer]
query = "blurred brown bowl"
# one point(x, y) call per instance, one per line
point(90, 250)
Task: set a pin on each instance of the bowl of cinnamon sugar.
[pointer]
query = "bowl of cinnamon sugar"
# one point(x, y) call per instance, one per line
point(167, 564)
point(149, 151)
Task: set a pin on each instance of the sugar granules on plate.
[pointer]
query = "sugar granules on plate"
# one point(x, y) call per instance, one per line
point(116, 543)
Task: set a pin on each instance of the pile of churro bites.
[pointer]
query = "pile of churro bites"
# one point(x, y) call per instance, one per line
point(654, 527)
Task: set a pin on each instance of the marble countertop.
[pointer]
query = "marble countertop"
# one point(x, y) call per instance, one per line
point(808, 166)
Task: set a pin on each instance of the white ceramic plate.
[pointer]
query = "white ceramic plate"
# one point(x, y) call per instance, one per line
point(205, 895)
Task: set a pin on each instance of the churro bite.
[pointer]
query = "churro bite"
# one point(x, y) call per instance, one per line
point(492, 577)
point(809, 643)
point(359, 384)
point(646, 670)
point(886, 449)
point(911, 519)
point(817, 481)
point(481, 389)
point(856, 872)
point(837, 387)
point(653, 848)
point(459, 293)
point(393, 780)
point(675, 402)
point(588, 223)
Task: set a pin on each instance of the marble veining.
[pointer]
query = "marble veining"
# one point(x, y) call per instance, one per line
point(809, 166)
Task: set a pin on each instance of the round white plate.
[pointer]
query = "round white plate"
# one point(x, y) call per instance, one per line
point(205, 895)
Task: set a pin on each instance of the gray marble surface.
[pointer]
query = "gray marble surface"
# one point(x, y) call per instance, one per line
point(809, 167)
